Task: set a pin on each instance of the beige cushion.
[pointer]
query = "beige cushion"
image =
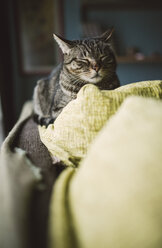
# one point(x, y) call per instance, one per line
point(80, 121)
point(115, 197)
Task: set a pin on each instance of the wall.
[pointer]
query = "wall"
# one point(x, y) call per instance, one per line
point(72, 20)
point(141, 28)
point(22, 84)
point(1, 125)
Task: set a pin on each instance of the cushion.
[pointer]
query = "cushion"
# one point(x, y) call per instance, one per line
point(80, 121)
point(114, 198)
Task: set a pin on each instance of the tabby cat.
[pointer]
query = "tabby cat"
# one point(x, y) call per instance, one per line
point(87, 61)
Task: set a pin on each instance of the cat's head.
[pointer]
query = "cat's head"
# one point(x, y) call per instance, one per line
point(90, 60)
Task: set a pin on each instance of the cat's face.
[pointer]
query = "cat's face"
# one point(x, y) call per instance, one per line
point(89, 60)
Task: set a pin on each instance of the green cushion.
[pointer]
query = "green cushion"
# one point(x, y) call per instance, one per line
point(114, 198)
point(80, 121)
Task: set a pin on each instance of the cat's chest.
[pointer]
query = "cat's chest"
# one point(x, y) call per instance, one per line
point(69, 84)
point(61, 99)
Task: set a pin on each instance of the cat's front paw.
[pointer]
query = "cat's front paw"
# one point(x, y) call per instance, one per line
point(43, 121)
point(46, 121)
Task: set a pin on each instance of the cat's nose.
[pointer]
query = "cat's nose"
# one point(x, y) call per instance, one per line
point(95, 67)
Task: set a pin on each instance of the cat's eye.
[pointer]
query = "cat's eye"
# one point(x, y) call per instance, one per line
point(81, 63)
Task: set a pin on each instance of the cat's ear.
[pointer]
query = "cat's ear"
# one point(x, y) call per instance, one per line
point(65, 45)
point(106, 36)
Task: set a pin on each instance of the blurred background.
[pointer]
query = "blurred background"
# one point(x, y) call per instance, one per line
point(28, 51)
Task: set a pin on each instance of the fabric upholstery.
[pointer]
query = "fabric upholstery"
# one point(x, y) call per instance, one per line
point(80, 121)
point(114, 198)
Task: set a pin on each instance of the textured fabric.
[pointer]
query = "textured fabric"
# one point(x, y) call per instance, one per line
point(60, 219)
point(75, 128)
point(27, 176)
point(18, 179)
point(114, 198)
point(28, 139)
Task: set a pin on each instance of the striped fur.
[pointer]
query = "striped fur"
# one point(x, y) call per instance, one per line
point(85, 61)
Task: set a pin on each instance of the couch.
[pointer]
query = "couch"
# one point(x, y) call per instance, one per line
point(107, 196)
